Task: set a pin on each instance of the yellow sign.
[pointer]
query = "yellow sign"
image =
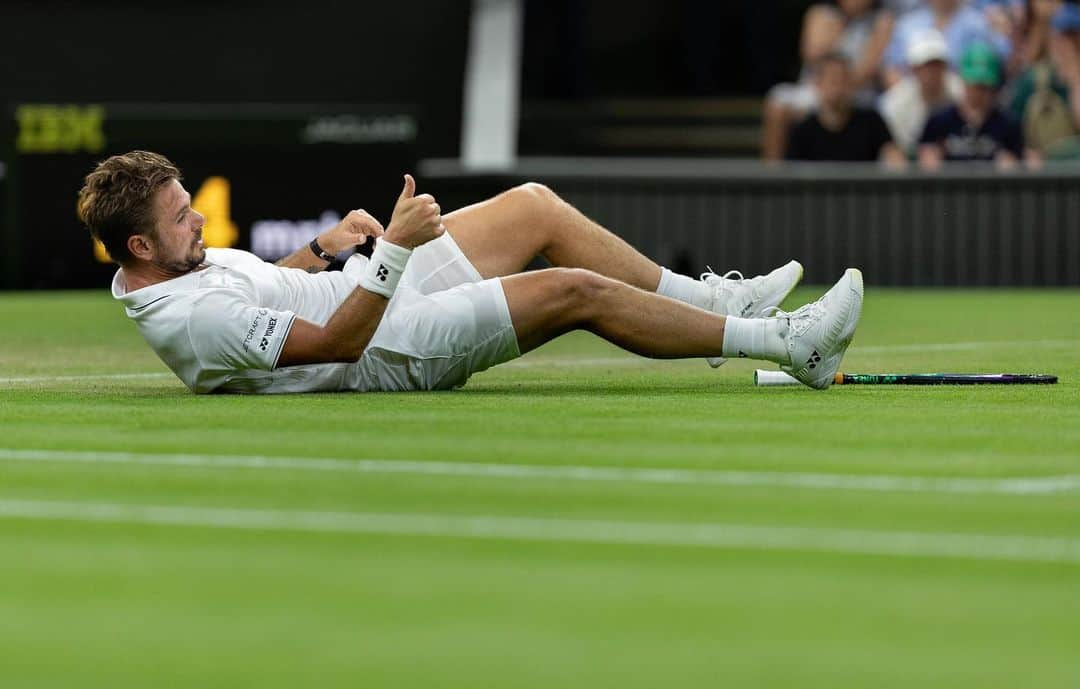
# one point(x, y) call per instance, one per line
point(60, 128)
point(212, 201)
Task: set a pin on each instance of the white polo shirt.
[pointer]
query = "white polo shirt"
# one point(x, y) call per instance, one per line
point(223, 327)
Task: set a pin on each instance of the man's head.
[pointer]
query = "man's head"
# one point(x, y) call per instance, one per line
point(927, 55)
point(980, 68)
point(135, 205)
point(833, 79)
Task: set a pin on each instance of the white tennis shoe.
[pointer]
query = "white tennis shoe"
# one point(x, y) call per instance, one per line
point(736, 296)
point(819, 333)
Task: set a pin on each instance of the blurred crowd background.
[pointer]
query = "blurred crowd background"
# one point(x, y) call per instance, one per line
point(906, 136)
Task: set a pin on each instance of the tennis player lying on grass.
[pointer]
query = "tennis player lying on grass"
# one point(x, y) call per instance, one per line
point(441, 298)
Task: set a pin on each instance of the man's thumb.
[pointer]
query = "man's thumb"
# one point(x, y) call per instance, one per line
point(410, 188)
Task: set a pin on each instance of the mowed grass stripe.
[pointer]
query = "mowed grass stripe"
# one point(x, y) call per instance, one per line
point(722, 536)
point(1019, 485)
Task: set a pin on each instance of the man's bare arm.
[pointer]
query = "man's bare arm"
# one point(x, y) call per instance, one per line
point(416, 220)
point(354, 229)
point(304, 259)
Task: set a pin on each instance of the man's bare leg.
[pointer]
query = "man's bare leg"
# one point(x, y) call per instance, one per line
point(502, 235)
point(548, 303)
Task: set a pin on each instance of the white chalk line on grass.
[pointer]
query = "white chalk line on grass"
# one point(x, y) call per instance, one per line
point(1021, 485)
point(713, 536)
point(89, 376)
point(570, 362)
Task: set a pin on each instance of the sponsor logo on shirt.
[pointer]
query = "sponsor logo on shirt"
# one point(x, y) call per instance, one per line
point(254, 327)
point(270, 327)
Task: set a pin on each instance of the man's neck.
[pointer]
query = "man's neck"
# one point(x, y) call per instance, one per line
point(934, 98)
point(834, 118)
point(972, 116)
point(143, 274)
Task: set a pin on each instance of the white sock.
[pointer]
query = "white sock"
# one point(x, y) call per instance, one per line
point(756, 338)
point(685, 289)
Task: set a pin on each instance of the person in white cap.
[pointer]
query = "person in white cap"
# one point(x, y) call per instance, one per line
point(931, 85)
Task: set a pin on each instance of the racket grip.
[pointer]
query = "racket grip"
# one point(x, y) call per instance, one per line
point(763, 378)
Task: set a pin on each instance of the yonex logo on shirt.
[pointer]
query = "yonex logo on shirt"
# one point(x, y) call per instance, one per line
point(270, 327)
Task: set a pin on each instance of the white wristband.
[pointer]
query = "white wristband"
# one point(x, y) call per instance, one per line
point(384, 268)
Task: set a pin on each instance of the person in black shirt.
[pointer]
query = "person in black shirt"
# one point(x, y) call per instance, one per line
point(838, 130)
point(974, 129)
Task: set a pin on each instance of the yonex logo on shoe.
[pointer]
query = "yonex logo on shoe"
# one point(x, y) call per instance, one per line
point(814, 359)
point(264, 344)
point(382, 272)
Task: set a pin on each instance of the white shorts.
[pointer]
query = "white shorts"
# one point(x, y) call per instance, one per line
point(443, 324)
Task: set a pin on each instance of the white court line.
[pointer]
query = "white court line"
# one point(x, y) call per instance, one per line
point(1021, 485)
point(722, 536)
point(625, 360)
point(90, 376)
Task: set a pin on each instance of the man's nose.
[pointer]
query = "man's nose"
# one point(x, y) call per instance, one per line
point(199, 218)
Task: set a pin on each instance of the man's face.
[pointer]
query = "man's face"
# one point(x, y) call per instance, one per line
point(834, 84)
point(979, 97)
point(178, 246)
point(931, 76)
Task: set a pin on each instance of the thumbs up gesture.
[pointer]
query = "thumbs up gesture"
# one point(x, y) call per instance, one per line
point(416, 219)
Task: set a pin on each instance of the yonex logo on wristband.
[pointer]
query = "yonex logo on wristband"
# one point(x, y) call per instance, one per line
point(382, 272)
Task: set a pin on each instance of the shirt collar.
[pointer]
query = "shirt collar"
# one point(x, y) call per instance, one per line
point(143, 297)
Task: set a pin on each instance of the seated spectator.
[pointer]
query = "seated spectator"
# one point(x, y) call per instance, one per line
point(975, 128)
point(960, 24)
point(840, 130)
point(855, 28)
point(930, 87)
point(1046, 97)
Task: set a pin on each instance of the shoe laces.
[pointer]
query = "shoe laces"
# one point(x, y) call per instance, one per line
point(711, 279)
point(801, 318)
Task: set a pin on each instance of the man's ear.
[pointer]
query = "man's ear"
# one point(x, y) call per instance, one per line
point(141, 247)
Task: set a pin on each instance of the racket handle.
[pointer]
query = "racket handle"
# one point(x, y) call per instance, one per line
point(763, 378)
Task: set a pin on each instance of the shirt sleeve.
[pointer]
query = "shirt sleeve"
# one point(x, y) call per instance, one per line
point(229, 333)
point(1014, 137)
point(894, 52)
point(796, 145)
point(879, 131)
point(933, 132)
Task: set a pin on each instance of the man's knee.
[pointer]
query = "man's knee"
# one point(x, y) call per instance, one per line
point(582, 291)
point(535, 194)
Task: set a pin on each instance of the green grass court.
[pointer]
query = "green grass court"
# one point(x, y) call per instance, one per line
point(579, 518)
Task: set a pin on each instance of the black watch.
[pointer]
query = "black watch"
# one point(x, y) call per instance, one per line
point(318, 250)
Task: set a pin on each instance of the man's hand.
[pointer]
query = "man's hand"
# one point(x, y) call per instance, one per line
point(416, 220)
point(353, 230)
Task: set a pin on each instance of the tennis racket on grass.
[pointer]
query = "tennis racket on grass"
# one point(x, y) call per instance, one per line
point(770, 378)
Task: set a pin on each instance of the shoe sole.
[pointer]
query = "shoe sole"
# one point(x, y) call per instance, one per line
point(718, 361)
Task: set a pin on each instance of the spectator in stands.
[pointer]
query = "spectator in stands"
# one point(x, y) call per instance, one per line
point(1046, 97)
point(960, 24)
point(840, 130)
point(855, 28)
point(931, 86)
point(974, 129)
